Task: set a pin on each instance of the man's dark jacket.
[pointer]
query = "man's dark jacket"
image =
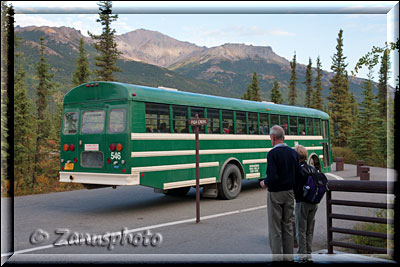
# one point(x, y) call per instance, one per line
point(283, 169)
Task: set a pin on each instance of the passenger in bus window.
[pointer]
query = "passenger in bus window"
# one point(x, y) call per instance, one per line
point(265, 130)
point(163, 128)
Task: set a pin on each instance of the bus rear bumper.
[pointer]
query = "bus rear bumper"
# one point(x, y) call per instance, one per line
point(99, 178)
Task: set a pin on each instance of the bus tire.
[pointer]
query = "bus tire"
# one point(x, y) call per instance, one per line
point(181, 191)
point(231, 182)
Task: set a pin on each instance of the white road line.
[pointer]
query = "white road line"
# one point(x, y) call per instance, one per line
point(337, 177)
point(148, 228)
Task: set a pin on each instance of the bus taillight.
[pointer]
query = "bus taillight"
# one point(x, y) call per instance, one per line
point(119, 147)
point(65, 147)
point(75, 160)
point(71, 147)
point(112, 147)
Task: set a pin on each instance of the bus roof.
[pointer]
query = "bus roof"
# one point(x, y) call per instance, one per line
point(103, 91)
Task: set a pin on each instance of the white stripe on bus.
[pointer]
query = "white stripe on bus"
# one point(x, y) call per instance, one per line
point(250, 161)
point(173, 167)
point(252, 175)
point(177, 136)
point(206, 152)
point(193, 152)
point(189, 183)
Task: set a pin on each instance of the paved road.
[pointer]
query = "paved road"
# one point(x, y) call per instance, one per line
point(233, 227)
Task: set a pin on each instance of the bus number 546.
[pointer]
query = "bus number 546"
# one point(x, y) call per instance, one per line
point(115, 155)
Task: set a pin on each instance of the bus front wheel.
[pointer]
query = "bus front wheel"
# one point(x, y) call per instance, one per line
point(231, 182)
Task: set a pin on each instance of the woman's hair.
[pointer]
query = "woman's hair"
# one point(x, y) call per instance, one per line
point(302, 151)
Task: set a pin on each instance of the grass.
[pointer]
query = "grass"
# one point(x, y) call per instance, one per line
point(378, 228)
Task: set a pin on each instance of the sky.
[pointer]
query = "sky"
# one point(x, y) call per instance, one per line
point(309, 29)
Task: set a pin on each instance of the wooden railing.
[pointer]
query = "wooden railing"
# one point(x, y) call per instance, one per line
point(363, 187)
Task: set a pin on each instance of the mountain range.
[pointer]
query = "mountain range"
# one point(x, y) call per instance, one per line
point(154, 59)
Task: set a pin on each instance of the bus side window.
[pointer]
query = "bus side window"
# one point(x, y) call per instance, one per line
point(227, 121)
point(264, 123)
point(241, 122)
point(213, 120)
point(179, 119)
point(200, 112)
point(293, 125)
point(310, 129)
point(157, 118)
point(253, 123)
point(274, 119)
point(317, 126)
point(302, 126)
point(285, 123)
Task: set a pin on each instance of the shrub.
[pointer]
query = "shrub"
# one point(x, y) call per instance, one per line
point(346, 153)
point(378, 228)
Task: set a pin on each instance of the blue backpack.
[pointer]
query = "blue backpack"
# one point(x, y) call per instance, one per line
point(315, 188)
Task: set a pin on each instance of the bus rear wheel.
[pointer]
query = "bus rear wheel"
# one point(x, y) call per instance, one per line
point(231, 183)
point(181, 191)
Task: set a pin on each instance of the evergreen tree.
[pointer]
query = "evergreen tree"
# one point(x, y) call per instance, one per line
point(23, 127)
point(105, 44)
point(382, 85)
point(82, 71)
point(276, 95)
point(354, 107)
point(308, 83)
point(292, 86)
point(7, 93)
point(339, 98)
point(364, 139)
point(255, 90)
point(4, 86)
point(247, 94)
point(43, 89)
point(317, 100)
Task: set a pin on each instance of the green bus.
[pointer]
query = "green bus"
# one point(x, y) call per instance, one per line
point(122, 134)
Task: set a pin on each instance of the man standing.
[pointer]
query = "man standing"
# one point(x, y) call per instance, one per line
point(283, 169)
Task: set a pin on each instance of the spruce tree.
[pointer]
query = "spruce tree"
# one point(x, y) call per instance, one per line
point(292, 86)
point(308, 83)
point(105, 44)
point(382, 85)
point(276, 95)
point(23, 127)
point(339, 98)
point(317, 101)
point(82, 71)
point(247, 94)
point(364, 139)
point(43, 89)
point(4, 87)
point(255, 90)
point(354, 107)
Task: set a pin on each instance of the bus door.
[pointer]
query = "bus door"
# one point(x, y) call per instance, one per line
point(92, 139)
